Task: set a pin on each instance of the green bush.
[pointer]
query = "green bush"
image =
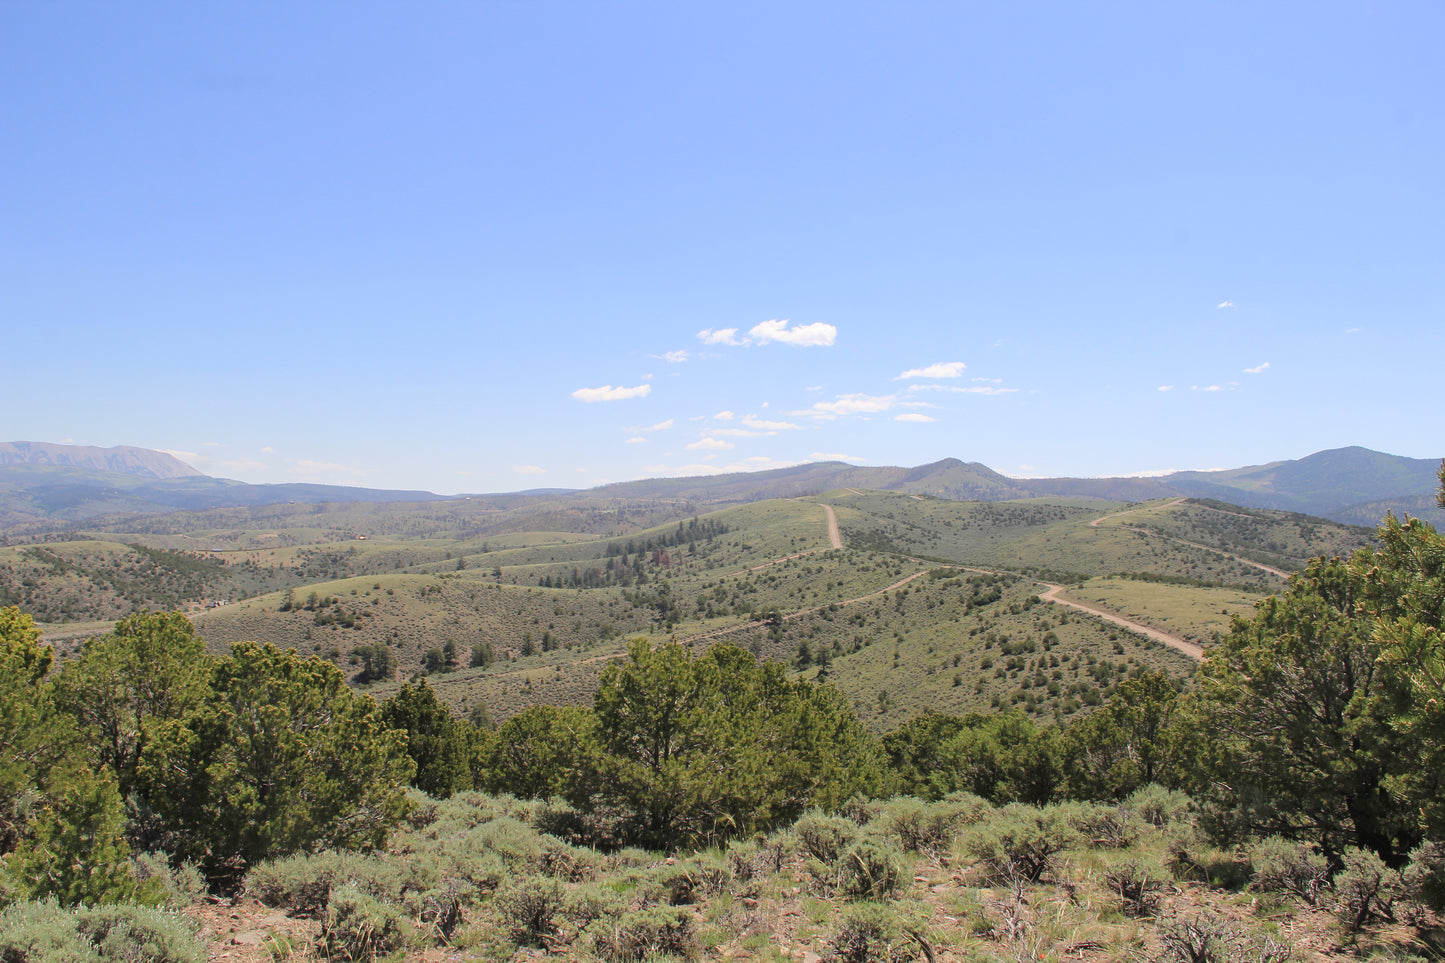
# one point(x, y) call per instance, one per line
point(869, 871)
point(1105, 826)
point(824, 838)
point(574, 864)
point(359, 928)
point(1424, 877)
point(874, 933)
point(930, 827)
point(1290, 867)
point(1135, 882)
point(1158, 806)
point(515, 842)
point(1018, 843)
point(1366, 890)
point(530, 907)
point(302, 885)
point(44, 932)
point(641, 934)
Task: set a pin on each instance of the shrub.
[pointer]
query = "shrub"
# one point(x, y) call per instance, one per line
point(1366, 890)
point(1019, 843)
point(873, 933)
point(869, 871)
point(1135, 883)
point(641, 934)
point(1104, 826)
point(530, 907)
point(514, 841)
point(358, 927)
point(159, 882)
point(571, 863)
point(1158, 806)
point(44, 932)
point(824, 838)
point(1290, 867)
point(302, 885)
point(1424, 878)
point(1209, 939)
point(930, 827)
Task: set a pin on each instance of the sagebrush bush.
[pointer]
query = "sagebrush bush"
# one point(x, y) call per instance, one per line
point(574, 864)
point(45, 932)
point(873, 933)
point(930, 827)
point(869, 871)
point(531, 907)
point(641, 934)
point(1105, 826)
point(1158, 806)
point(1018, 843)
point(824, 838)
point(1136, 882)
point(302, 884)
point(1281, 865)
point(1424, 877)
point(518, 844)
point(359, 928)
point(1366, 890)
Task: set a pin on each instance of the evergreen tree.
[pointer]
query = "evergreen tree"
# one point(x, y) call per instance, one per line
point(436, 743)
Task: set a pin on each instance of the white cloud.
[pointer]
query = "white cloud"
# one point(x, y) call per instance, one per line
point(813, 389)
point(739, 432)
point(1166, 387)
point(660, 426)
point(833, 456)
point(943, 369)
point(718, 336)
point(638, 440)
point(268, 450)
point(529, 469)
point(1257, 369)
point(724, 416)
point(961, 390)
point(753, 421)
point(672, 357)
point(1352, 331)
point(1230, 386)
point(211, 444)
point(914, 416)
point(850, 404)
point(609, 393)
point(709, 444)
point(186, 456)
point(816, 334)
point(1225, 304)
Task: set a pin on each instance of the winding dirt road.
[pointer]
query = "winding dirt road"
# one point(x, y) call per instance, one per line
point(1195, 652)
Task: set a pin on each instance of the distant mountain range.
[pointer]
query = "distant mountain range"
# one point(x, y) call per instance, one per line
point(66, 485)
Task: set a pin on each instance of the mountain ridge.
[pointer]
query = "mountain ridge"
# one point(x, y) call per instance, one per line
point(54, 485)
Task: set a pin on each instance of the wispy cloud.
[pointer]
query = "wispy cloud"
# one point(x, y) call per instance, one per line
point(672, 357)
point(724, 416)
point(1165, 388)
point(1227, 386)
point(816, 334)
point(190, 457)
point(914, 416)
point(850, 404)
point(709, 444)
point(529, 469)
point(636, 440)
point(832, 456)
point(609, 393)
point(1225, 304)
point(943, 369)
point(1257, 369)
point(244, 464)
point(718, 336)
point(660, 426)
point(739, 432)
point(753, 421)
point(988, 389)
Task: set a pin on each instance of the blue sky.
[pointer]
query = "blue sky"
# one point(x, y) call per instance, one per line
point(494, 246)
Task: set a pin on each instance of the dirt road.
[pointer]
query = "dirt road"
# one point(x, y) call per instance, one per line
point(835, 538)
point(1173, 641)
